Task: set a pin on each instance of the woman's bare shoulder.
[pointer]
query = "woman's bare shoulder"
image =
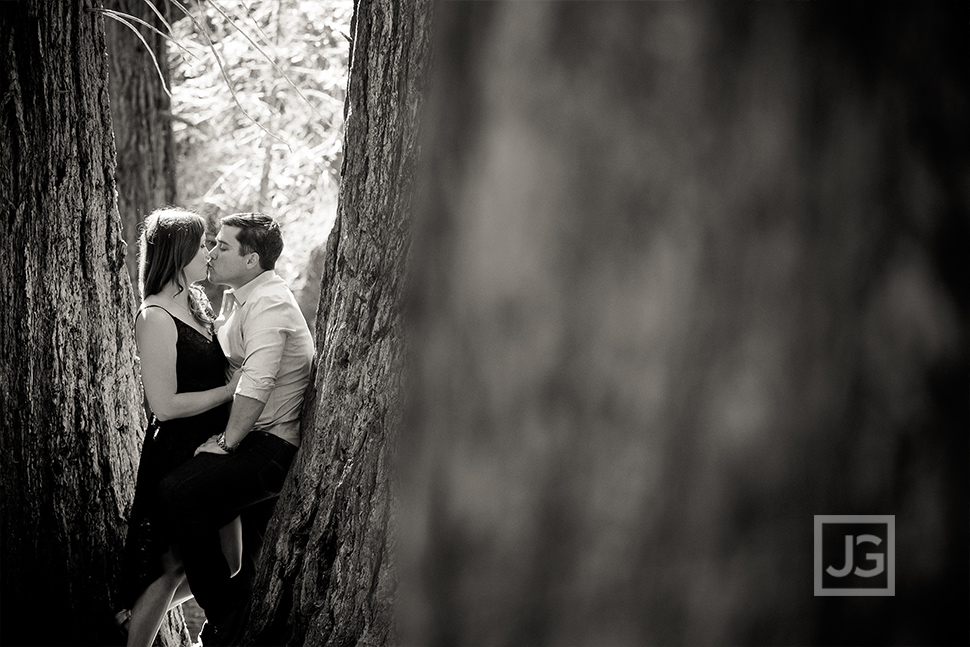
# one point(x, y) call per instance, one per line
point(153, 318)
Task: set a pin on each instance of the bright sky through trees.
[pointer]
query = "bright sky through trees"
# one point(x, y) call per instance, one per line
point(257, 96)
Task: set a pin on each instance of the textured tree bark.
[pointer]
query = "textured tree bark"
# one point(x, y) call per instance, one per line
point(326, 577)
point(140, 110)
point(145, 148)
point(72, 421)
point(686, 275)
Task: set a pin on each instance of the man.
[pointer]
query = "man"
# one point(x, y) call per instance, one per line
point(240, 471)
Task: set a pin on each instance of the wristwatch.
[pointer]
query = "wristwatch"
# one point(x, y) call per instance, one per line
point(223, 445)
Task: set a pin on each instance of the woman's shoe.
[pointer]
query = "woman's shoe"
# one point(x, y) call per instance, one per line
point(122, 620)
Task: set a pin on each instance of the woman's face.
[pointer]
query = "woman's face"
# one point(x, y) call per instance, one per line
point(195, 271)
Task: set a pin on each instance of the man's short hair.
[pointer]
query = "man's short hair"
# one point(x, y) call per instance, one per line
point(257, 233)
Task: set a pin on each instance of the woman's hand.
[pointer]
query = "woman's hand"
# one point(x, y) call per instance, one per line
point(233, 382)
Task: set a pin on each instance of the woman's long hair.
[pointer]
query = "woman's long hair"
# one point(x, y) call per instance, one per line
point(169, 241)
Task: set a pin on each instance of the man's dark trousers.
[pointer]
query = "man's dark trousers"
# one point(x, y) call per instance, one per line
point(204, 494)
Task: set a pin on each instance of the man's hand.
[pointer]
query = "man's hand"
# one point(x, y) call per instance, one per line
point(211, 446)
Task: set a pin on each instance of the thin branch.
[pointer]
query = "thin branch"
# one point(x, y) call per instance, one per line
point(272, 62)
point(221, 179)
point(259, 29)
point(159, 14)
point(118, 17)
point(167, 37)
point(168, 26)
point(225, 75)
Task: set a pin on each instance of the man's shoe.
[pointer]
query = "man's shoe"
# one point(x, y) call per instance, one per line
point(209, 636)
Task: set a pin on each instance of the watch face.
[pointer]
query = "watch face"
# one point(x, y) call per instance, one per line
point(224, 445)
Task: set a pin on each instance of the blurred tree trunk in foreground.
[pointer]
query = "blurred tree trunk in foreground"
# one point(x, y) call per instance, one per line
point(325, 576)
point(140, 111)
point(687, 275)
point(69, 396)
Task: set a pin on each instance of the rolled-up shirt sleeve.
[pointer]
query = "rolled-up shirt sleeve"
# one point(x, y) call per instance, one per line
point(268, 324)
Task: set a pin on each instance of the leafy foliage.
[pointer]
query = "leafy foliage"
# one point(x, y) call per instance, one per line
point(257, 99)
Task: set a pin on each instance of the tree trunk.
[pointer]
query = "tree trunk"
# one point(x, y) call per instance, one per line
point(140, 110)
point(686, 275)
point(326, 577)
point(72, 421)
point(145, 145)
point(144, 142)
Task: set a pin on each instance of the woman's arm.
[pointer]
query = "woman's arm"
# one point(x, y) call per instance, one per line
point(156, 335)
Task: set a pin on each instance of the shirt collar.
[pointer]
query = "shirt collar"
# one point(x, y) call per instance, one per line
point(241, 294)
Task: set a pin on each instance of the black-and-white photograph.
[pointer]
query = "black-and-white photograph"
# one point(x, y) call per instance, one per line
point(568, 323)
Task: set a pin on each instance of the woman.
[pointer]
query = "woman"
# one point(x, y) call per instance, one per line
point(183, 371)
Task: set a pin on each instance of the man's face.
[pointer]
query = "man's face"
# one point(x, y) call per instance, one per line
point(226, 264)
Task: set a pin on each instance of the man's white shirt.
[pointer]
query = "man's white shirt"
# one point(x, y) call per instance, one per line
point(262, 329)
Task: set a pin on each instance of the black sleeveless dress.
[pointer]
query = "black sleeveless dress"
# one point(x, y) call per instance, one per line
point(200, 365)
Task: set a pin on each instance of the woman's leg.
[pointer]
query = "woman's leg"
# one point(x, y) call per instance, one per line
point(152, 605)
point(182, 594)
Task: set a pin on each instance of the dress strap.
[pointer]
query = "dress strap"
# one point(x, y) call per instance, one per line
point(146, 306)
point(177, 321)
